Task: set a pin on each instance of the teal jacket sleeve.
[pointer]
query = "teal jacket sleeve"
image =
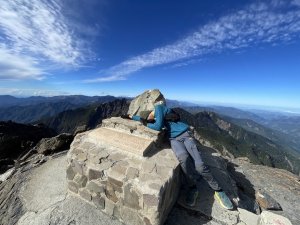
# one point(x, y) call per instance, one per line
point(136, 118)
point(159, 119)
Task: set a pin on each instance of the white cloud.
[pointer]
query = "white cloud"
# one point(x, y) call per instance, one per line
point(184, 63)
point(270, 22)
point(37, 31)
point(296, 2)
point(14, 67)
point(31, 92)
point(105, 79)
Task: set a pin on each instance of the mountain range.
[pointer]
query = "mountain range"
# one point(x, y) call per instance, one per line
point(231, 131)
point(8, 100)
point(235, 141)
point(267, 123)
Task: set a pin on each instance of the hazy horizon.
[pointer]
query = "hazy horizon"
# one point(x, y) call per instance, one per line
point(246, 107)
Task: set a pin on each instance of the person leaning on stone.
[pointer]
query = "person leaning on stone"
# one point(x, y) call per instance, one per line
point(184, 146)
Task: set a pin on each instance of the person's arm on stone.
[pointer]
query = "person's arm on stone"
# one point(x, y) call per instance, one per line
point(136, 118)
point(159, 119)
point(156, 124)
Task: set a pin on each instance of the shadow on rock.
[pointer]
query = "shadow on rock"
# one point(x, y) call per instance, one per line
point(246, 191)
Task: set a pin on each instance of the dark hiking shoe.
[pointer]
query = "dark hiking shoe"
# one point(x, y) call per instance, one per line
point(191, 197)
point(223, 199)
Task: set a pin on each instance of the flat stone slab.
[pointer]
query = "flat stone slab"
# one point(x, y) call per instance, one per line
point(125, 142)
point(132, 127)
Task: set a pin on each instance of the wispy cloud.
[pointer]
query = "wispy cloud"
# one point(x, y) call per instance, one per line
point(296, 2)
point(184, 63)
point(37, 32)
point(270, 22)
point(31, 92)
point(13, 66)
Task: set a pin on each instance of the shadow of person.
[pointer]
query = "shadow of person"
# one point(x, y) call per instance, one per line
point(182, 214)
point(203, 207)
point(163, 142)
point(246, 191)
point(233, 182)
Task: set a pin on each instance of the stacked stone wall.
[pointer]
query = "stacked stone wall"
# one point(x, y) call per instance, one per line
point(133, 188)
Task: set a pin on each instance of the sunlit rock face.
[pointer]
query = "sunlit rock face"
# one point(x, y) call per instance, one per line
point(146, 101)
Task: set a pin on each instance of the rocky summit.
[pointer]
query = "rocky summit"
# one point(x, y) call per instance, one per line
point(37, 193)
point(136, 181)
point(125, 173)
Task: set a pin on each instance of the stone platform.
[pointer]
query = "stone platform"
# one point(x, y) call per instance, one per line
point(122, 169)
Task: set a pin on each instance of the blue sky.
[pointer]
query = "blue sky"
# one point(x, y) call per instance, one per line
point(227, 52)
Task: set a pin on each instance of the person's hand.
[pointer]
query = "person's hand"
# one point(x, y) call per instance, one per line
point(143, 121)
point(125, 116)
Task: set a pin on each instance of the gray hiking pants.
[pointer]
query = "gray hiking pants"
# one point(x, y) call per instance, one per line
point(185, 148)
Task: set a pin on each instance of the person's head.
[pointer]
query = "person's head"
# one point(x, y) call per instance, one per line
point(151, 115)
point(148, 115)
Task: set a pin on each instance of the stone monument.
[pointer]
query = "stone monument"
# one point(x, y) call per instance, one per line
point(123, 168)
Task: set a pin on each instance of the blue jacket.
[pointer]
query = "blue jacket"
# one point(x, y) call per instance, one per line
point(174, 129)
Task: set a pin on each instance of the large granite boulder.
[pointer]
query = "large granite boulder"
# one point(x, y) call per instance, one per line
point(146, 101)
point(123, 169)
point(55, 144)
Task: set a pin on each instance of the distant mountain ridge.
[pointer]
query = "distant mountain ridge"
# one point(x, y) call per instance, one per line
point(32, 113)
point(174, 103)
point(28, 110)
point(227, 111)
point(275, 135)
point(8, 100)
point(288, 127)
point(89, 116)
point(31, 109)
